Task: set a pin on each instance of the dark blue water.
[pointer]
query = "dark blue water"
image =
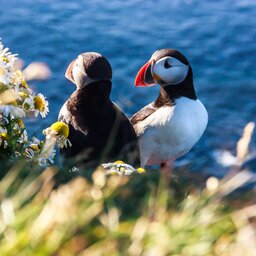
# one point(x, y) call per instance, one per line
point(219, 39)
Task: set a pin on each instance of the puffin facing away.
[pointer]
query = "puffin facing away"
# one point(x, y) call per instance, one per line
point(99, 130)
point(171, 125)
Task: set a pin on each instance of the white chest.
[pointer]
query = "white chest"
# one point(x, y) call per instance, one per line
point(170, 132)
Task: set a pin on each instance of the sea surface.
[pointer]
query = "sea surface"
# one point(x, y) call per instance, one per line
point(218, 38)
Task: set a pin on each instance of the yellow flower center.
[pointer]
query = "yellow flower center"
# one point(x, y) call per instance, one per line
point(60, 128)
point(39, 103)
point(24, 84)
point(26, 106)
point(23, 95)
point(119, 162)
point(20, 123)
point(141, 170)
point(4, 135)
point(34, 147)
point(5, 59)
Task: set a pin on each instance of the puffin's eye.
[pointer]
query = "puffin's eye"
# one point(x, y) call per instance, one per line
point(167, 64)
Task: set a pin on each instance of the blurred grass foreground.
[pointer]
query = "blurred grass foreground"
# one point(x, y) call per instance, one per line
point(120, 215)
point(103, 214)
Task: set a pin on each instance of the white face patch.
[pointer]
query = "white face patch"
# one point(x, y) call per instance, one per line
point(78, 69)
point(81, 79)
point(170, 70)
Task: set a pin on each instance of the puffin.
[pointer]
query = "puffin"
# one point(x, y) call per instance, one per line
point(171, 125)
point(98, 129)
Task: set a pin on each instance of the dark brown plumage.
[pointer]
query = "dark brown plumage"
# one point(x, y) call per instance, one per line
point(99, 130)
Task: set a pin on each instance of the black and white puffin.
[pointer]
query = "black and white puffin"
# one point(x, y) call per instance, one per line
point(171, 125)
point(99, 130)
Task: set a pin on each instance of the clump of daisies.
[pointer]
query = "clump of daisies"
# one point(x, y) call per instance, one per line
point(17, 101)
point(121, 168)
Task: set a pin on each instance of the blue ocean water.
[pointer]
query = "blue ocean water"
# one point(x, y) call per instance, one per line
point(218, 38)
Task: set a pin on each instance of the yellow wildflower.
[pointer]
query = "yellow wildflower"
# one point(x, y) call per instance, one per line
point(58, 132)
point(60, 128)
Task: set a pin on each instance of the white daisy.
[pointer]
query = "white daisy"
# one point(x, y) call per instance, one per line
point(7, 56)
point(28, 104)
point(5, 75)
point(35, 103)
point(41, 105)
point(6, 65)
point(58, 132)
point(33, 149)
point(121, 168)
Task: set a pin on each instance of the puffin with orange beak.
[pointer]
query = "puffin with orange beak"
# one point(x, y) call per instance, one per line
point(99, 130)
point(171, 125)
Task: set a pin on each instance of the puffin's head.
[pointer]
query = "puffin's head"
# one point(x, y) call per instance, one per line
point(165, 67)
point(87, 68)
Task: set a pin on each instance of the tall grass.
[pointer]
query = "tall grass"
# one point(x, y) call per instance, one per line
point(118, 215)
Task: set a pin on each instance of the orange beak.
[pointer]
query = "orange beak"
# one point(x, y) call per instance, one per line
point(68, 73)
point(144, 76)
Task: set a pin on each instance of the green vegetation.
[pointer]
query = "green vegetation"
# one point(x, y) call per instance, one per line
point(119, 215)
